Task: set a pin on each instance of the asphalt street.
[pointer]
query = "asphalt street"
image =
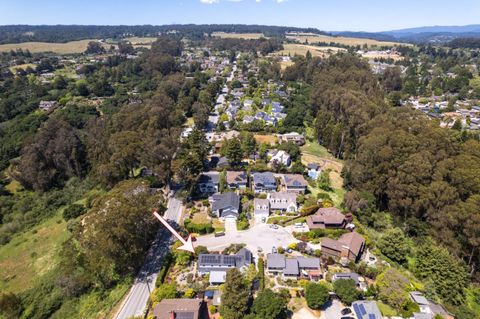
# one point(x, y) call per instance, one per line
point(135, 302)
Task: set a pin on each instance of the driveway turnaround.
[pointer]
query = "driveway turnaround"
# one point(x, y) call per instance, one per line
point(259, 236)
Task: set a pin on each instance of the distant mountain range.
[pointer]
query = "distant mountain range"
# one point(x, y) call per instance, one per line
point(429, 34)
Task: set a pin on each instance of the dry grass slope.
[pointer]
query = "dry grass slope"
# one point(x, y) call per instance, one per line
point(60, 48)
point(238, 35)
point(342, 40)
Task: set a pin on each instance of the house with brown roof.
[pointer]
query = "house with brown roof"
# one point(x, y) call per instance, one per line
point(237, 180)
point(349, 246)
point(181, 309)
point(295, 183)
point(330, 217)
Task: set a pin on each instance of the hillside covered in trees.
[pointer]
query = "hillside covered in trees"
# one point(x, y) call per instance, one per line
point(399, 161)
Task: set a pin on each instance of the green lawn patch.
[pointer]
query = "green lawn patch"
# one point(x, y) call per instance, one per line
point(31, 254)
point(386, 310)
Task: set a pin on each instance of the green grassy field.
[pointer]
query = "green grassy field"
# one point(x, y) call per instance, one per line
point(31, 254)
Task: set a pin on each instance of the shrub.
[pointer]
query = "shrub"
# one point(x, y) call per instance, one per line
point(316, 295)
point(73, 211)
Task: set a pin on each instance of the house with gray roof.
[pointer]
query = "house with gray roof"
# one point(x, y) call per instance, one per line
point(293, 268)
point(264, 182)
point(225, 205)
point(346, 276)
point(208, 182)
point(295, 183)
point(217, 265)
point(261, 208)
point(366, 309)
point(283, 201)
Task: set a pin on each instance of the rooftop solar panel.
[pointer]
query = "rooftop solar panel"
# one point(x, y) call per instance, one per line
point(357, 311)
point(362, 310)
point(372, 316)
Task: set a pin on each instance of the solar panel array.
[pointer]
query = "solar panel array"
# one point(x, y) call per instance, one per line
point(210, 259)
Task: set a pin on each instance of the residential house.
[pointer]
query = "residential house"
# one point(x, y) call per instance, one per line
point(346, 276)
point(47, 105)
point(208, 182)
point(283, 201)
point(366, 309)
point(264, 182)
point(225, 205)
point(247, 119)
point(223, 162)
point(428, 309)
point(295, 183)
point(181, 309)
point(266, 101)
point(220, 136)
point(349, 246)
point(313, 170)
point(329, 217)
point(294, 137)
point(247, 104)
point(294, 268)
point(217, 265)
point(237, 180)
point(261, 209)
point(279, 157)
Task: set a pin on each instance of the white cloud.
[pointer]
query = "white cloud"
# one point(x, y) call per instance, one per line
point(209, 1)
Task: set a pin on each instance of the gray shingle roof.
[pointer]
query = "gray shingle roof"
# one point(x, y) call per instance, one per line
point(275, 261)
point(227, 200)
point(291, 267)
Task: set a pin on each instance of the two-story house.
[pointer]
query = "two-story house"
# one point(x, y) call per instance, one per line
point(208, 182)
point(264, 182)
point(237, 180)
point(295, 183)
point(225, 205)
point(283, 201)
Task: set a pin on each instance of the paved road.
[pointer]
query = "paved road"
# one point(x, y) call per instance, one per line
point(135, 302)
point(174, 210)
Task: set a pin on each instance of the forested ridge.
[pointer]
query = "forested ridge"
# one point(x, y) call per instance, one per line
point(65, 33)
point(399, 161)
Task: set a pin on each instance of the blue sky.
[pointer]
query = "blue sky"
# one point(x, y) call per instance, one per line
point(331, 15)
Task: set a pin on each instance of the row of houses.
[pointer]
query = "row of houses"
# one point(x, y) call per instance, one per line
point(260, 182)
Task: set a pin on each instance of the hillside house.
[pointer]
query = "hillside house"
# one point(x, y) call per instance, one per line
point(349, 246)
point(295, 183)
point(324, 218)
point(217, 265)
point(294, 268)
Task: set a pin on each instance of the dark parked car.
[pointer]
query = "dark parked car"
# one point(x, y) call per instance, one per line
point(346, 311)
